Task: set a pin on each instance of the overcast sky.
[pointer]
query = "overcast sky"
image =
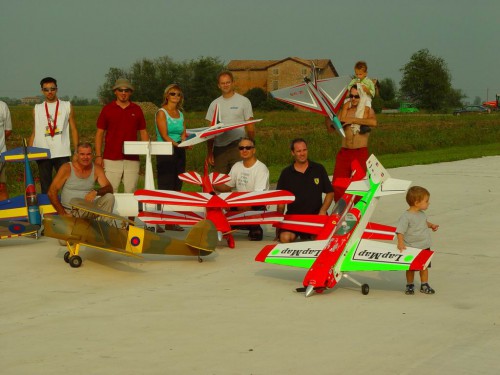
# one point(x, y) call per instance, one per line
point(77, 42)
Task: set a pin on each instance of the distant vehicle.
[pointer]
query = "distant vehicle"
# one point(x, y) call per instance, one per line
point(404, 107)
point(471, 109)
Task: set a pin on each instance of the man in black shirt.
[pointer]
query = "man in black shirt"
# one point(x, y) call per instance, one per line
point(307, 180)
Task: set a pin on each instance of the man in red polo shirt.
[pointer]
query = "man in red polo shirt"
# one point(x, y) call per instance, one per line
point(118, 122)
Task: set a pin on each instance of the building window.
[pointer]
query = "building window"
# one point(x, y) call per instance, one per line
point(276, 71)
point(304, 71)
point(275, 85)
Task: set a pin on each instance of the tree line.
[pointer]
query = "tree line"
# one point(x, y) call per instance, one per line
point(426, 82)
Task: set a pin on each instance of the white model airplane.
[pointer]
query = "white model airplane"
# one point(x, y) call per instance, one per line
point(323, 96)
point(216, 127)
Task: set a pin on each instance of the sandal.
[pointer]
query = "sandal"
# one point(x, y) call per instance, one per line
point(426, 288)
point(410, 289)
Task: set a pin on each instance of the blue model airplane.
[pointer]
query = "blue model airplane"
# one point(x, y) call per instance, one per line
point(27, 206)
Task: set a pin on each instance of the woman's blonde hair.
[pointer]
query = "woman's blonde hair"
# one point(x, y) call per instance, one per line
point(174, 86)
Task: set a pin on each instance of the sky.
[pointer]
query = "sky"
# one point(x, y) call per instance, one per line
point(77, 42)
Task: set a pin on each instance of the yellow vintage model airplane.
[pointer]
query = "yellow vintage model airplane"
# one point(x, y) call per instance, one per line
point(102, 230)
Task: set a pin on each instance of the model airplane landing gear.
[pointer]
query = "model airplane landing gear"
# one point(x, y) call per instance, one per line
point(365, 288)
point(230, 240)
point(71, 257)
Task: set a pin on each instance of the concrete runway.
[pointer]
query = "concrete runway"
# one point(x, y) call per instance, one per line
point(232, 315)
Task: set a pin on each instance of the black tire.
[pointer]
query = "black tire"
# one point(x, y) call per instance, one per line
point(365, 289)
point(66, 256)
point(75, 261)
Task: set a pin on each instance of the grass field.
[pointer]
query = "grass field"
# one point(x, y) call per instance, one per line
point(399, 140)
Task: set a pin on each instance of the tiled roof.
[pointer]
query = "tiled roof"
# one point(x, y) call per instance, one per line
point(265, 64)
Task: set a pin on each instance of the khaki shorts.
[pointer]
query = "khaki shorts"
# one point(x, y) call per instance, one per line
point(128, 169)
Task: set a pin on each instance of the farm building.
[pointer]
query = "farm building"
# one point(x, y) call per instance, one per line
point(271, 75)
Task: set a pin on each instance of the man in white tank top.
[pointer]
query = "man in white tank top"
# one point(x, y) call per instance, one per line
point(77, 180)
point(53, 123)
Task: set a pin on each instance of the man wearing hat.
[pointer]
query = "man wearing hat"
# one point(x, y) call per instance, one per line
point(118, 122)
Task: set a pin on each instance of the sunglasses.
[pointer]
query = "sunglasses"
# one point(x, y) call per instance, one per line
point(241, 148)
point(47, 89)
point(123, 90)
point(175, 94)
point(354, 96)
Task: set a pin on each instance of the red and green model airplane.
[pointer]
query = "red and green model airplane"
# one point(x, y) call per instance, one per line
point(351, 245)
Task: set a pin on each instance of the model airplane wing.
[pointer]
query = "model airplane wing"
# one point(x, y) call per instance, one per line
point(320, 96)
point(380, 256)
point(199, 135)
point(253, 217)
point(295, 254)
point(9, 229)
point(375, 231)
point(257, 198)
point(312, 224)
point(303, 96)
point(171, 217)
point(335, 90)
point(18, 154)
point(173, 197)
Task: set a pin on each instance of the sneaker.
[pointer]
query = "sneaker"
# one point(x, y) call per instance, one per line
point(410, 289)
point(426, 288)
point(256, 233)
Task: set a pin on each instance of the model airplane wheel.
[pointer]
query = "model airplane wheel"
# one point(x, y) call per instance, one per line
point(365, 289)
point(75, 261)
point(66, 256)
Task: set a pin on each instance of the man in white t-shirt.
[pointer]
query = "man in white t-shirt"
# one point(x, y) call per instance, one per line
point(249, 174)
point(5, 132)
point(233, 107)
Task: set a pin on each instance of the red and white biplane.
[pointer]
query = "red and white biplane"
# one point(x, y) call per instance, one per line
point(217, 206)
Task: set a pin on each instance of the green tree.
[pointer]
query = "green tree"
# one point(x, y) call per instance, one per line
point(387, 89)
point(105, 93)
point(197, 79)
point(426, 81)
point(257, 97)
point(201, 82)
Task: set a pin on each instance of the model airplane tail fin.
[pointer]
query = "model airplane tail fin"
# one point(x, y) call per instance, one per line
point(18, 154)
point(203, 236)
point(215, 117)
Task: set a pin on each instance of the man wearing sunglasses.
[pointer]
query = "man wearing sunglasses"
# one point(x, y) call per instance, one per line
point(233, 108)
point(249, 174)
point(118, 122)
point(53, 123)
point(355, 143)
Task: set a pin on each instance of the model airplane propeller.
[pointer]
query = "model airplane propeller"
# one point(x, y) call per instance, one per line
point(323, 96)
point(216, 127)
point(217, 206)
point(350, 246)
